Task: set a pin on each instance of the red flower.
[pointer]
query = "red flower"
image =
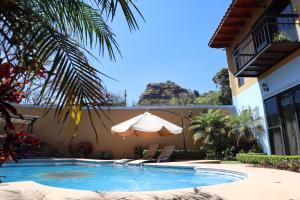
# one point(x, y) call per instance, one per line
point(42, 73)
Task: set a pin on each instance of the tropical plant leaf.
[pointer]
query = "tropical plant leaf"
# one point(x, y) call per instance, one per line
point(34, 33)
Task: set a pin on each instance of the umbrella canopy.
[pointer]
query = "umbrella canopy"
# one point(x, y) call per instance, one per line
point(146, 125)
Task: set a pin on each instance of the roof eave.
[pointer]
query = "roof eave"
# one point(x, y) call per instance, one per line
point(236, 15)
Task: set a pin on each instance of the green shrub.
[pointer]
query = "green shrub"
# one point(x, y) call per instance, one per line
point(229, 153)
point(188, 154)
point(44, 150)
point(104, 155)
point(139, 151)
point(58, 150)
point(274, 161)
point(85, 148)
point(211, 154)
point(81, 149)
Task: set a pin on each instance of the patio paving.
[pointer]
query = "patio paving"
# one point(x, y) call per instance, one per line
point(261, 184)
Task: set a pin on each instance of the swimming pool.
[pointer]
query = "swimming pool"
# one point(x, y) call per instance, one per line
point(99, 176)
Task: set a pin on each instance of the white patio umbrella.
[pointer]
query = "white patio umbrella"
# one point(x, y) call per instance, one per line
point(146, 125)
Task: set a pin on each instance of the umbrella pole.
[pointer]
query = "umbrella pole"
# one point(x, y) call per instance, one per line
point(183, 135)
point(124, 151)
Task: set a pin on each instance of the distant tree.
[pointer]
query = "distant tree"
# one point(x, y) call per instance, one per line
point(221, 79)
point(208, 98)
point(115, 99)
point(174, 101)
point(111, 99)
point(183, 99)
point(196, 93)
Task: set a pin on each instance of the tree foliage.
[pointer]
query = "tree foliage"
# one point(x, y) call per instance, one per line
point(211, 131)
point(225, 135)
point(208, 98)
point(114, 100)
point(247, 127)
point(221, 79)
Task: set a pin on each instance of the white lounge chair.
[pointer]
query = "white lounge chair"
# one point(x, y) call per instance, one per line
point(163, 156)
point(149, 154)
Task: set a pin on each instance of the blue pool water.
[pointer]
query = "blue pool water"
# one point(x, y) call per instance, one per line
point(109, 177)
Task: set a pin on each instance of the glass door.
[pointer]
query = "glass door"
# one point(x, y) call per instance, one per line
point(276, 141)
point(296, 95)
point(276, 137)
point(290, 122)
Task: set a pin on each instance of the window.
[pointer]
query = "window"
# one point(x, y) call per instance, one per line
point(283, 116)
point(241, 81)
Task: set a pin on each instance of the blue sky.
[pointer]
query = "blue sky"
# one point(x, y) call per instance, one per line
point(171, 45)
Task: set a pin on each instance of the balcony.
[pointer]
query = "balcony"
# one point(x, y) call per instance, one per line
point(270, 40)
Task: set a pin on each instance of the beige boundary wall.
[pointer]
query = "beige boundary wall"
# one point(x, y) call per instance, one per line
point(47, 129)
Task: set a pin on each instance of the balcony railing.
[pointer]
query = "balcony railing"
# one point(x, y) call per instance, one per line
point(271, 39)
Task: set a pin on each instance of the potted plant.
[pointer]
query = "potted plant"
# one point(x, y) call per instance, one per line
point(281, 37)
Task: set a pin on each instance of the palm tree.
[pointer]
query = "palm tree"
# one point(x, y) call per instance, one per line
point(246, 126)
point(49, 36)
point(210, 130)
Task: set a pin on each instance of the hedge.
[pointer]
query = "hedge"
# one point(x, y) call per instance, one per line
point(274, 161)
point(188, 154)
point(106, 155)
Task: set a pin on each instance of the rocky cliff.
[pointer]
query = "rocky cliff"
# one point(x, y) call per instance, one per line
point(163, 93)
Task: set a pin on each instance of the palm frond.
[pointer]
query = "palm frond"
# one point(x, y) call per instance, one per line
point(199, 136)
point(128, 8)
point(34, 32)
point(193, 127)
point(78, 20)
point(207, 125)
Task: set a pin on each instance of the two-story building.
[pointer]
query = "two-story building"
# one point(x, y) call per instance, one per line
point(261, 38)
